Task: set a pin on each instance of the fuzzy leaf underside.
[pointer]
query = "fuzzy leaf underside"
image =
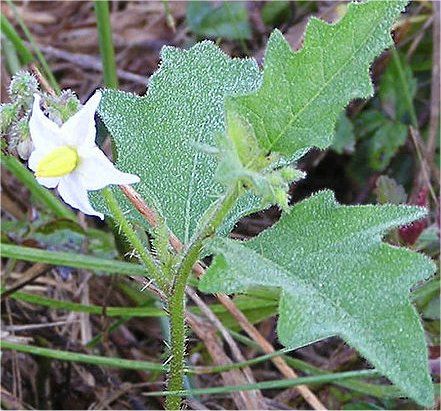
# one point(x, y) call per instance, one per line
point(337, 278)
point(303, 93)
point(159, 136)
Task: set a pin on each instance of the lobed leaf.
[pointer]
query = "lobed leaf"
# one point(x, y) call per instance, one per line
point(160, 136)
point(303, 93)
point(337, 278)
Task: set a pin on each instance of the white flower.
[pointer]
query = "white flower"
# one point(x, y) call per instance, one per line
point(67, 157)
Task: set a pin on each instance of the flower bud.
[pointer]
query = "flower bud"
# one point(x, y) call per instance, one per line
point(62, 107)
point(288, 174)
point(275, 179)
point(281, 198)
point(24, 148)
point(22, 138)
point(22, 88)
point(8, 114)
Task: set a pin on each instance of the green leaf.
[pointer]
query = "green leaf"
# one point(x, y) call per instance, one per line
point(160, 136)
point(227, 20)
point(384, 144)
point(303, 93)
point(242, 161)
point(337, 278)
point(276, 12)
point(344, 140)
point(428, 241)
point(380, 139)
point(394, 95)
point(367, 122)
point(388, 190)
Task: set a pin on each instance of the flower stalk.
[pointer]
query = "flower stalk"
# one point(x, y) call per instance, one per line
point(154, 272)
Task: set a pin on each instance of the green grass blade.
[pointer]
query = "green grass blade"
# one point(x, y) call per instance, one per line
point(374, 390)
point(38, 191)
point(106, 44)
point(44, 64)
point(266, 385)
point(405, 87)
point(91, 309)
point(60, 258)
point(252, 361)
point(10, 33)
point(84, 358)
point(11, 57)
point(100, 336)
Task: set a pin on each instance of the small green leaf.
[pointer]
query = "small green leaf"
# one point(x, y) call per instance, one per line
point(276, 12)
point(384, 144)
point(344, 140)
point(393, 96)
point(367, 122)
point(428, 241)
point(337, 278)
point(388, 190)
point(303, 93)
point(159, 136)
point(242, 160)
point(227, 20)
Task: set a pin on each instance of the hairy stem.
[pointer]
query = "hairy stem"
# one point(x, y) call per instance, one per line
point(154, 271)
point(176, 300)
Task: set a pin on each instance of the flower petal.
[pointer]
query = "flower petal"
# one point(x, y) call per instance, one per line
point(80, 128)
point(44, 132)
point(49, 182)
point(97, 171)
point(73, 193)
point(35, 158)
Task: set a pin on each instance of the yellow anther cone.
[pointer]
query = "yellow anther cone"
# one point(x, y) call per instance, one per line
point(58, 162)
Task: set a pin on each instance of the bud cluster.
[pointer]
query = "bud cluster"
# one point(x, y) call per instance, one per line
point(242, 159)
point(15, 115)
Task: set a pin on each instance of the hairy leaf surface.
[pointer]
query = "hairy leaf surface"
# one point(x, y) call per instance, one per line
point(303, 93)
point(337, 278)
point(160, 136)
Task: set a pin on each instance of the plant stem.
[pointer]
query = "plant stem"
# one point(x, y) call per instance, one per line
point(106, 44)
point(176, 303)
point(154, 271)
